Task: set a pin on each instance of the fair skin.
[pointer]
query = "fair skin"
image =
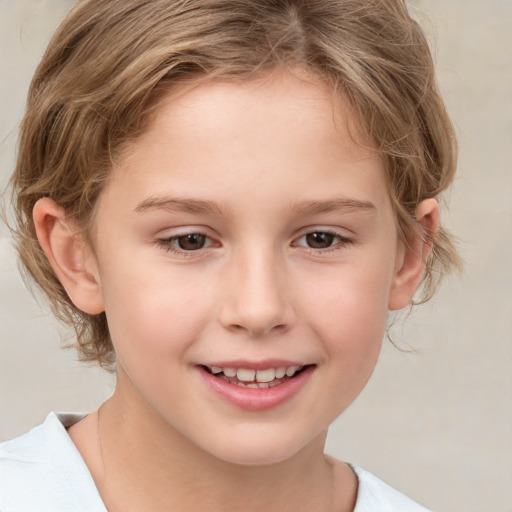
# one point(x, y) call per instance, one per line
point(292, 260)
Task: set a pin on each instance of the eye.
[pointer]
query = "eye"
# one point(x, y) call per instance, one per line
point(191, 242)
point(322, 240)
point(319, 240)
point(188, 242)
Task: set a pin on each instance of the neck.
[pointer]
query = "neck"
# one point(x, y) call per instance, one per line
point(147, 465)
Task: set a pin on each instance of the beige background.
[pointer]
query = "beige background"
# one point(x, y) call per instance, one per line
point(436, 423)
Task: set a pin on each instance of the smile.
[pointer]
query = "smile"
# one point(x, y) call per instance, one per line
point(264, 386)
point(250, 378)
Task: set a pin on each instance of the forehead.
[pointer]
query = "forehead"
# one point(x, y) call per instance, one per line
point(223, 138)
point(234, 108)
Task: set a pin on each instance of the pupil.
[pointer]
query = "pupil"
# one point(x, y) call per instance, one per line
point(320, 240)
point(191, 242)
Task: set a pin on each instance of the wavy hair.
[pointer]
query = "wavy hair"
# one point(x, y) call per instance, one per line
point(110, 60)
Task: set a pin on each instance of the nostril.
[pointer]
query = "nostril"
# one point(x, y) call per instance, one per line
point(259, 330)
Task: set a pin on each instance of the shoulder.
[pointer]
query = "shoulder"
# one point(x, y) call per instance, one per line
point(374, 495)
point(42, 471)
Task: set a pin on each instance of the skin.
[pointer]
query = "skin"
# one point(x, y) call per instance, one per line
point(266, 153)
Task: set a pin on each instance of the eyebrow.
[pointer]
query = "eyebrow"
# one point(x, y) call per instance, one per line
point(177, 204)
point(337, 205)
point(202, 207)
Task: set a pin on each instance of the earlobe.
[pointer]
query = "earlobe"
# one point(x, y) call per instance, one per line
point(69, 255)
point(411, 266)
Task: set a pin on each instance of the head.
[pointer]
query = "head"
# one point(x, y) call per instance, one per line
point(111, 66)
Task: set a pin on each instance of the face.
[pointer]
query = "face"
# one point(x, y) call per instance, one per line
point(246, 249)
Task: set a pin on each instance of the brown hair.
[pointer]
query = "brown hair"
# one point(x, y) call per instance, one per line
point(109, 59)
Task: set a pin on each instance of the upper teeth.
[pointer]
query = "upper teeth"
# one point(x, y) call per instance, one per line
point(247, 375)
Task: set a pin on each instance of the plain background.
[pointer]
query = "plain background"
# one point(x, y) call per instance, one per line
point(435, 423)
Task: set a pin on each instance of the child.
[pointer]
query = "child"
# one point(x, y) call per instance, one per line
point(225, 199)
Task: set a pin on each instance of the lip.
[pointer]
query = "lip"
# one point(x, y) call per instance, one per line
point(256, 399)
point(253, 365)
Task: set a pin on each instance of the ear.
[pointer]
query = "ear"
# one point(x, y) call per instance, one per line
point(70, 256)
point(412, 260)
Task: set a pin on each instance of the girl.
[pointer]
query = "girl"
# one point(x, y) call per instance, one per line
point(225, 199)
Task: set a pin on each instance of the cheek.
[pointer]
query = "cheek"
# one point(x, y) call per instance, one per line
point(353, 296)
point(347, 309)
point(349, 321)
point(152, 310)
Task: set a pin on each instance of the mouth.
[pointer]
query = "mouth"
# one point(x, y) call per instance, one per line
point(251, 378)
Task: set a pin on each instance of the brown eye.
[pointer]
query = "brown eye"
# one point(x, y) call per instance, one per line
point(319, 240)
point(192, 242)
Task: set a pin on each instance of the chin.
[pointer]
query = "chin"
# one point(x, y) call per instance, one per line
point(255, 458)
point(260, 450)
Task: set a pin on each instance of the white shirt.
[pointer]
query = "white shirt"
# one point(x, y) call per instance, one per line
point(42, 471)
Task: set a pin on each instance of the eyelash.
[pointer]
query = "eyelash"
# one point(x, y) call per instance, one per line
point(168, 244)
point(342, 241)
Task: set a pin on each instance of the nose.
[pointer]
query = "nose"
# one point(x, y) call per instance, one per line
point(256, 295)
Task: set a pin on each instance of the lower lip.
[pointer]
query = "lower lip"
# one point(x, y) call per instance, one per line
point(257, 399)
